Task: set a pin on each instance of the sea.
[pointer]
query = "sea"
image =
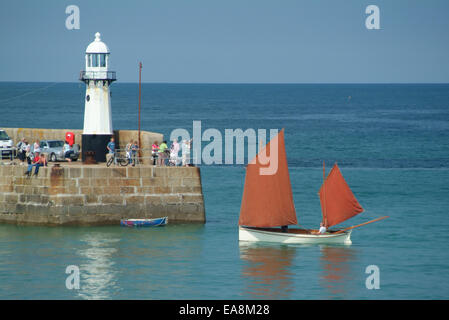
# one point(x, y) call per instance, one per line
point(391, 142)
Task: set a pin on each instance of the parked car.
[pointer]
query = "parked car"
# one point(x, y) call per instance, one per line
point(6, 145)
point(53, 149)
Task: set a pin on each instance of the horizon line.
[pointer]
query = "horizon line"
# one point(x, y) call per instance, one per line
point(287, 83)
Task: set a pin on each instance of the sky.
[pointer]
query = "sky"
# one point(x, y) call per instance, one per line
point(230, 41)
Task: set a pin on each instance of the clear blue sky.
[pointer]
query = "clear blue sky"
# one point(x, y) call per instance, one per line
point(310, 41)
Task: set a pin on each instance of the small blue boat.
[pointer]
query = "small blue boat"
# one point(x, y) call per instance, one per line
point(144, 222)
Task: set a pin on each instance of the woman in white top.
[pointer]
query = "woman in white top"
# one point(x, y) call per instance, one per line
point(174, 150)
point(128, 149)
point(36, 147)
point(186, 152)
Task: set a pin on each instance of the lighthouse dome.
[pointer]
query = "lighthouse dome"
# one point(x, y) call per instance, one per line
point(97, 46)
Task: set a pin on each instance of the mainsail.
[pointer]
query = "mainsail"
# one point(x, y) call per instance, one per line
point(338, 203)
point(267, 198)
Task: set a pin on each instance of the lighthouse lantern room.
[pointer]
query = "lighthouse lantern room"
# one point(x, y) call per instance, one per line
point(97, 111)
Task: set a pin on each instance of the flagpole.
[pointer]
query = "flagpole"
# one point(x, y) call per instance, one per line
point(140, 93)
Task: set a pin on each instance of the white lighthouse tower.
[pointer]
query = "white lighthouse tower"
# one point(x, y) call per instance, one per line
point(97, 112)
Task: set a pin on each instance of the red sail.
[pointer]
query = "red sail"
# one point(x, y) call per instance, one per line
point(338, 203)
point(267, 196)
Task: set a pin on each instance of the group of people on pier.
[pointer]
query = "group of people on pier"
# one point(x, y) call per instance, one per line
point(161, 154)
point(32, 155)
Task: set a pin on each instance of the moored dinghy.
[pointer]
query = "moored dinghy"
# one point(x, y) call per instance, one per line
point(267, 204)
point(144, 222)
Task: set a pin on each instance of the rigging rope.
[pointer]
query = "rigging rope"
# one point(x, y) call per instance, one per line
point(29, 92)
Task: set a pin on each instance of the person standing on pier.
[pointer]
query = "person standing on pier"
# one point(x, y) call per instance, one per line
point(28, 153)
point(154, 151)
point(162, 155)
point(20, 154)
point(111, 149)
point(174, 150)
point(25, 150)
point(134, 149)
point(128, 149)
point(36, 147)
point(186, 144)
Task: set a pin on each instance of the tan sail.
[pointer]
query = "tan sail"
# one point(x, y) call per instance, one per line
point(338, 203)
point(267, 198)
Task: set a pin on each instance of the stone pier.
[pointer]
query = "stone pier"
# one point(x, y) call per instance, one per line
point(78, 194)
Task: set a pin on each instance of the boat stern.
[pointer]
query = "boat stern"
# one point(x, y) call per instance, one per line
point(348, 238)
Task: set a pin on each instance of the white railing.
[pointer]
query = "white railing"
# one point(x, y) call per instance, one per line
point(98, 75)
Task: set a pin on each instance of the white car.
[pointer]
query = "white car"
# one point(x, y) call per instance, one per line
point(6, 145)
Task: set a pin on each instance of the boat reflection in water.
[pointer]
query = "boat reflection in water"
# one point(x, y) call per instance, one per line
point(338, 276)
point(268, 270)
point(98, 275)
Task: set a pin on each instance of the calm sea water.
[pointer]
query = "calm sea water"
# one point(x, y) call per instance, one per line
point(391, 143)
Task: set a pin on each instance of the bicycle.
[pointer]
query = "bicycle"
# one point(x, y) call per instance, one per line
point(123, 161)
point(173, 161)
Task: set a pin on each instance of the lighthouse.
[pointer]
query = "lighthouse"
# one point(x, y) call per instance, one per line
point(97, 129)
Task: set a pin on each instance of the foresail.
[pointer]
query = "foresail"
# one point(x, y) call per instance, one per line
point(338, 203)
point(267, 196)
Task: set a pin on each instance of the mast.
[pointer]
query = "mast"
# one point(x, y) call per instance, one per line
point(324, 196)
point(140, 90)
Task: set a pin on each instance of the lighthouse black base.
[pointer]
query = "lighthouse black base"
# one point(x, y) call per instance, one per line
point(96, 143)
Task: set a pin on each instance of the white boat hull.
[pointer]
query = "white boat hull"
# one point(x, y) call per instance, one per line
point(254, 235)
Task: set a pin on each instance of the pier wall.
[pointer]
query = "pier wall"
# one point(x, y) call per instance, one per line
point(122, 137)
point(92, 195)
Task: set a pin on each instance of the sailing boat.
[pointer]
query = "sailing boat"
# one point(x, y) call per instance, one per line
point(267, 203)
